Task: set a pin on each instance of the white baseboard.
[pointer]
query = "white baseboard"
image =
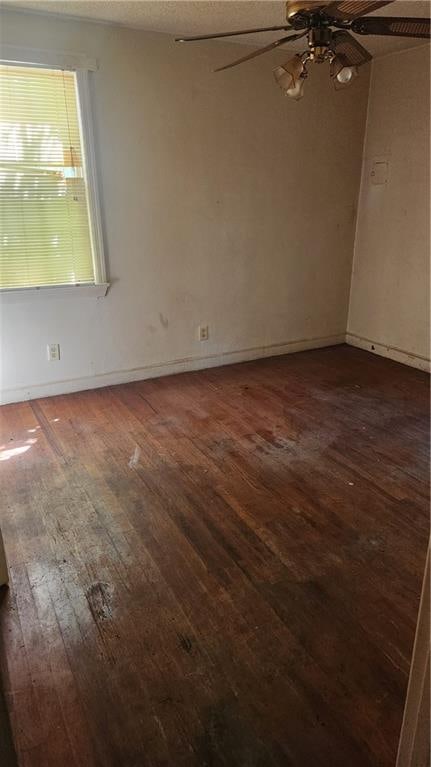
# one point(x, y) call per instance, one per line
point(52, 388)
point(392, 352)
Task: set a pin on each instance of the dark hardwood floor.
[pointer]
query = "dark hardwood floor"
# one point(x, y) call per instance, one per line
point(216, 569)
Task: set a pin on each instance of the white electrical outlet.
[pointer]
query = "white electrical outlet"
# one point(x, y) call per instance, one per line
point(203, 333)
point(53, 352)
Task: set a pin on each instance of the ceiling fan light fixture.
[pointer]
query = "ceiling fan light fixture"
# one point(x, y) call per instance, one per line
point(290, 77)
point(342, 72)
point(327, 25)
point(283, 78)
point(345, 77)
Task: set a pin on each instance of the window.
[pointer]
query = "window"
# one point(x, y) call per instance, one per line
point(50, 234)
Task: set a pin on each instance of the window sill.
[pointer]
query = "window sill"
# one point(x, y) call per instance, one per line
point(55, 291)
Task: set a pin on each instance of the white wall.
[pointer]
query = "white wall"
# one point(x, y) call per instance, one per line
point(389, 303)
point(223, 203)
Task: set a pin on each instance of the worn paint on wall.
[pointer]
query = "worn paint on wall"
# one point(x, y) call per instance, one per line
point(224, 204)
point(389, 304)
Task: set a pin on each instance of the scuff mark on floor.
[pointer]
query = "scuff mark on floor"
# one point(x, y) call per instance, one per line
point(99, 598)
point(185, 643)
point(134, 458)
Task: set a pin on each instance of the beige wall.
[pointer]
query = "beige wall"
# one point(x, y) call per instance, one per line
point(223, 204)
point(389, 303)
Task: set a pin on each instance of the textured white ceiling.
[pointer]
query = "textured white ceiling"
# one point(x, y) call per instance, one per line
point(191, 17)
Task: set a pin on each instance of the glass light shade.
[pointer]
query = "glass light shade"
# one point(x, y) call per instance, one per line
point(283, 78)
point(290, 77)
point(342, 72)
point(297, 90)
point(345, 75)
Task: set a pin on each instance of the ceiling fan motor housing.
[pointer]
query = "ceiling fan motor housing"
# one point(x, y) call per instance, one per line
point(304, 13)
point(299, 7)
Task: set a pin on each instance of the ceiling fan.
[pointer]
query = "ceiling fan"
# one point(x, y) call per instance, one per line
point(316, 20)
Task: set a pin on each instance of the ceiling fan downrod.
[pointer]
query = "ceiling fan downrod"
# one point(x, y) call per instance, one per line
point(319, 43)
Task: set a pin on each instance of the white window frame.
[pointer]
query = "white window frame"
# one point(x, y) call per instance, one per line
point(81, 65)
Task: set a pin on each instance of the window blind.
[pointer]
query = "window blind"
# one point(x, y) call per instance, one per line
point(45, 233)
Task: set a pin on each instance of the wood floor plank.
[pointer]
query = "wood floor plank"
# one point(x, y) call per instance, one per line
point(215, 568)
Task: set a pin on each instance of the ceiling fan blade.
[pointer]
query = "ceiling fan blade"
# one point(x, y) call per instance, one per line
point(351, 9)
point(397, 26)
point(259, 51)
point(346, 45)
point(232, 34)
